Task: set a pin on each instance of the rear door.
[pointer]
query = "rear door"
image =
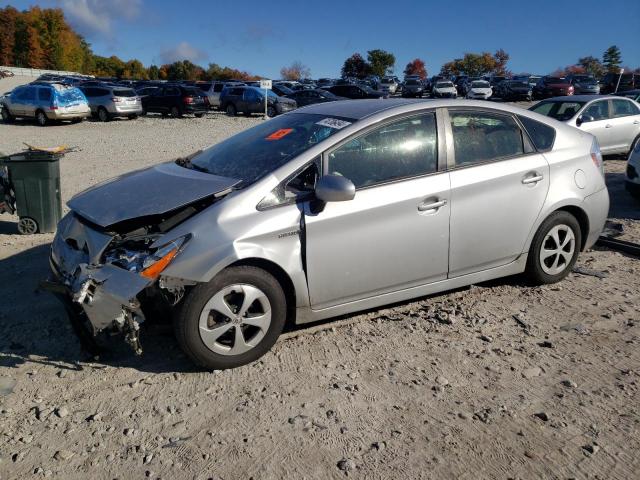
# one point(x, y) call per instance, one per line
point(596, 121)
point(30, 102)
point(498, 187)
point(625, 124)
point(395, 233)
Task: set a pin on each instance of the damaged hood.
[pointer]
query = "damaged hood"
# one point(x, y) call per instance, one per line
point(152, 191)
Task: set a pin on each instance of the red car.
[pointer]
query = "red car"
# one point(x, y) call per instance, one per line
point(548, 87)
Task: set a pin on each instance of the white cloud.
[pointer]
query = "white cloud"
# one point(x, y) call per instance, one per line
point(96, 17)
point(182, 51)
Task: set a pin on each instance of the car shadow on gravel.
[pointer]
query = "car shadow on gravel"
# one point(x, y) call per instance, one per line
point(622, 204)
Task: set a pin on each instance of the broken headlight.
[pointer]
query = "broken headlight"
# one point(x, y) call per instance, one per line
point(148, 262)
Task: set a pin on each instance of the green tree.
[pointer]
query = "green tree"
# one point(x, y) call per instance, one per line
point(611, 59)
point(153, 72)
point(355, 66)
point(381, 62)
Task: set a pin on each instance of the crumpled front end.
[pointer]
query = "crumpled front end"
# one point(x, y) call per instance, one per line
point(99, 295)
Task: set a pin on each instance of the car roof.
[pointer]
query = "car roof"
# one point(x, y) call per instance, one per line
point(578, 98)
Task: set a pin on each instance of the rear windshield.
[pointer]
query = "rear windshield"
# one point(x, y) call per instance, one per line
point(124, 92)
point(204, 86)
point(586, 79)
point(553, 80)
point(254, 153)
point(444, 85)
point(69, 95)
point(192, 91)
point(480, 85)
point(412, 82)
point(562, 111)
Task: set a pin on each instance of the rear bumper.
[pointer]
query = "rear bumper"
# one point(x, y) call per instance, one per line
point(200, 108)
point(58, 115)
point(135, 109)
point(597, 208)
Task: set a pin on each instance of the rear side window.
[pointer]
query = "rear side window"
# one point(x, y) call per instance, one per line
point(217, 88)
point(171, 92)
point(44, 94)
point(29, 93)
point(402, 149)
point(480, 137)
point(624, 108)
point(540, 134)
point(597, 111)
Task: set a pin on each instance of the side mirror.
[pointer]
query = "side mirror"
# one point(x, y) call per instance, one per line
point(335, 188)
point(584, 119)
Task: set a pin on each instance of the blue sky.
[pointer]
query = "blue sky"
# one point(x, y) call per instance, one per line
point(261, 37)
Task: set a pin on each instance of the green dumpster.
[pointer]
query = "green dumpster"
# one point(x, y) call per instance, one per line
point(34, 177)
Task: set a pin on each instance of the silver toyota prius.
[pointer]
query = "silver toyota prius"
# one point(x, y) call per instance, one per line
point(331, 209)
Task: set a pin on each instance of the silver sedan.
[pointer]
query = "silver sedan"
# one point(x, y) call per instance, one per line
point(328, 210)
point(615, 121)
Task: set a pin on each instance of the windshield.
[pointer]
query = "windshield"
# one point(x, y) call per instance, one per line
point(519, 84)
point(444, 85)
point(284, 90)
point(480, 84)
point(562, 111)
point(412, 82)
point(584, 79)
point(254, 153)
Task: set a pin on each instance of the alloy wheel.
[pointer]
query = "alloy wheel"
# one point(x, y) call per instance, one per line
point(557, 249)
point(41, 118)
point(235, 319)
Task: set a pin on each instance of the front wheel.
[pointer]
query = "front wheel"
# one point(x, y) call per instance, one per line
point(232, 320)
point(103, 115)
point(271, 112)
point(554, 249)
point(6, 115)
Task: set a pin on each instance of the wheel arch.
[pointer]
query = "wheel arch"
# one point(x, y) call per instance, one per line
point(583, 221)
point(281, 277)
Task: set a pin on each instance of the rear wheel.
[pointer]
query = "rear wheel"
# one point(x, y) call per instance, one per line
point(231, 110)
point(232, 320)
point(554, 249)
point(27, 226)
point(199, 115)
point(103, 115)
point(175, 112)
point(133, 117)
point(41, 118)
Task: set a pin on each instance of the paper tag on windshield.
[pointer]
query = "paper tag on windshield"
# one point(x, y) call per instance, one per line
point(333, 123)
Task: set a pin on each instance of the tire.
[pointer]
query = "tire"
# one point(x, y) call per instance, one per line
point(199, 115)
point(77, 120)
point(27, 226)
point(41, 118)
point(6, 115)
point(546, 267)
point(197, 314)
point(231, 110)
point(271, 112)
point(175, 112)
point(133, 117)
point(103, 115)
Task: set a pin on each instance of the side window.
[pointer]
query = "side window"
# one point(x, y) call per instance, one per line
point(250, 95)
point(597, 111)
point(404, 148)
point(171, 92)
point(541, 135)
point(624, 108)
point(44, 94)
point(217, 88)
point(484, 137)
point(298, 188)
point(30, 93)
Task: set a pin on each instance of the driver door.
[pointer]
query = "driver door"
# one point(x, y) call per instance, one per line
point(599, 126)
point(395, 233)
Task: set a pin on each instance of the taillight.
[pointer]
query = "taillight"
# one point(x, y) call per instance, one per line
point(188, 99)
point(596, 156)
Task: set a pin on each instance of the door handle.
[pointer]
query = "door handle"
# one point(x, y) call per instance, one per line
point(608, 125)
point(535, 179)
point(423, 207)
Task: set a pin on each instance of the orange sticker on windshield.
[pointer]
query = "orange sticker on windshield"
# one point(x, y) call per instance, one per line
point(278, 134)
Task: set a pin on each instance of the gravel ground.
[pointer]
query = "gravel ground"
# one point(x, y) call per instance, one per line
point(499, 380)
